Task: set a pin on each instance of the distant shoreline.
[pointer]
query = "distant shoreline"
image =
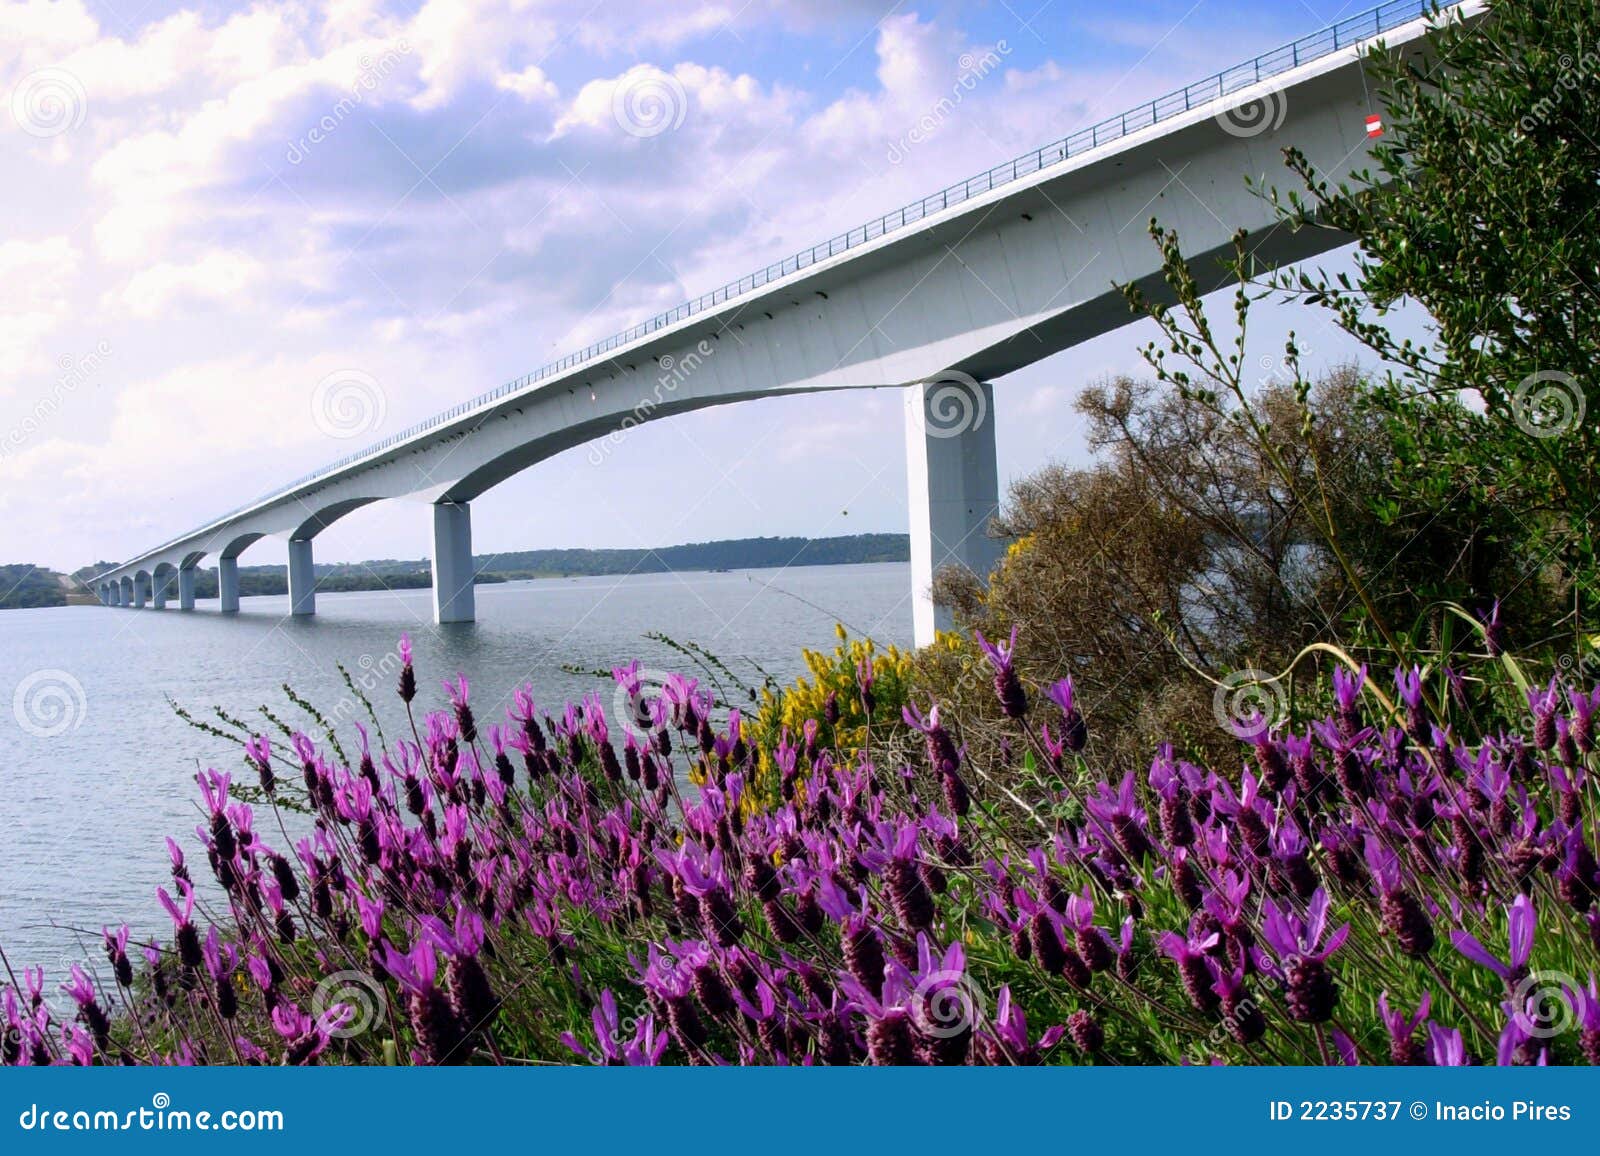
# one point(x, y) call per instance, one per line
point(35, 586)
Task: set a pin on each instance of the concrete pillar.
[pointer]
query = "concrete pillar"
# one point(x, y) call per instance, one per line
point(302, 578)
point(186, 588)
point(452, 563)
point(116, 594)
point(127, 592)
point(160, 584)
point(228, 585)
point(953, 484)
point(141, 590)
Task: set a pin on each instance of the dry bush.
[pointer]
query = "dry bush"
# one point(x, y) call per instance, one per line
point(1180, 555)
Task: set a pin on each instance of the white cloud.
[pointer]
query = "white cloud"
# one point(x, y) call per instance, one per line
point(217, 276)
point(479, 209)
point(36, 278)
point(530, 84)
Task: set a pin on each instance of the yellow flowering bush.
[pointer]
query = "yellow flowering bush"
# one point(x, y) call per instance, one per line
point(836, 678)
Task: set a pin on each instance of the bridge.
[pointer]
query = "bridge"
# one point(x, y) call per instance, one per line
point(939, 299)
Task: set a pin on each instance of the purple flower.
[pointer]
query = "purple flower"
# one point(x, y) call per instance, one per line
point(1403, 1047)
point(1403, 916)
point(259, 752)
point(440, 1033)
point(1583, 710)
point(1074, 734)
point(865, 676)
point(407, 686)
point(1409, 684)
point(1302, 950)
point(1522, 921)
point(117, 953)
point(1007, 687)
point(188, 940)
point(1121, 817)
point(1347, 697)
point(1288, 934)
point(1518, 1044)
point(644, 1049)
point(1544, 704)
point(81, 988)
point(1446, 1048)
point(1190, 953)
point(1008, 1042)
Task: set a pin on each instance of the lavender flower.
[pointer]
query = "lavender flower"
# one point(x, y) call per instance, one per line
point(408, 676)
point(1403, 1046)
point(1007, 687)
point(1302, 952)
point(1074, 734)
point(1522, 922)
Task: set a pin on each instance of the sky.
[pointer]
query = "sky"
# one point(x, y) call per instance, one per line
point(242, 241)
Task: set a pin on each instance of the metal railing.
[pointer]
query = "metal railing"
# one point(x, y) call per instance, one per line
point(1344, 34)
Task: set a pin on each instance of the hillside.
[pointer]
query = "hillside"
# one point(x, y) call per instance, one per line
point(411, 574)
point(24, 585)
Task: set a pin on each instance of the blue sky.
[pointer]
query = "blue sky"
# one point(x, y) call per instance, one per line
point(214, 210)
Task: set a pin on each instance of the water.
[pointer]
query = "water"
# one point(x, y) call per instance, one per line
point(83, 812)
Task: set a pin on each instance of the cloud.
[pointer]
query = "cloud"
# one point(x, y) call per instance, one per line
point(531, 84)
point(445, 198)
point(167, 288)
point(36, 279)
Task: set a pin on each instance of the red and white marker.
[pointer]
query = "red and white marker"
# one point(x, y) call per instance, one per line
point(1374, 125)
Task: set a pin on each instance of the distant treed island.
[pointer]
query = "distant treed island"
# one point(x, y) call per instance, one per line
point(24, 585)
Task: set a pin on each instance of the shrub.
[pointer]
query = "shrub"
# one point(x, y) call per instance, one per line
point(1369, 889)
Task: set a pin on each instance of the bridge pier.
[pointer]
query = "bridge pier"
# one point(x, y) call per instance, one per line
point(141, 590)
point(160, 584)
point(953, 486)
point(302, 578)
point(186, 588)
point(453, 599)
point(228, 585)
point(125, 592)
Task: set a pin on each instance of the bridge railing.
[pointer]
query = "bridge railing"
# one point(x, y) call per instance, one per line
point(1344, 34)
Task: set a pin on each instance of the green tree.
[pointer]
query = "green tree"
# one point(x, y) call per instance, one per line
point(1480, 206)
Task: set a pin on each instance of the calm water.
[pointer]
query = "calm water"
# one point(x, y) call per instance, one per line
point(83, 811)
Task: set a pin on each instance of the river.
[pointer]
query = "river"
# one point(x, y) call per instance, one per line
point(95, 766)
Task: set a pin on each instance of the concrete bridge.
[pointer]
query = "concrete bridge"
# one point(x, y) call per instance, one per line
point(939, 299)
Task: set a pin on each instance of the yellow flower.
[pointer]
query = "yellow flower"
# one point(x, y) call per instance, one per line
point(832, 673)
